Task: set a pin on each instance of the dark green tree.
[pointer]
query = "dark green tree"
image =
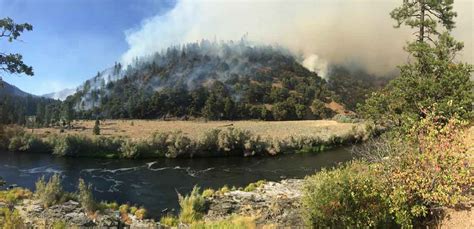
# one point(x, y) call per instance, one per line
point(12, 63)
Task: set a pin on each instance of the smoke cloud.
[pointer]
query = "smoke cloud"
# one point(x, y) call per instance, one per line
point(352, 32)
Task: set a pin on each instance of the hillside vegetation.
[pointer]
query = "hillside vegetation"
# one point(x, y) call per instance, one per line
point(213, 80)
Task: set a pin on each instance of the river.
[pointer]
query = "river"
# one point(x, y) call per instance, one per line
point(153, 183)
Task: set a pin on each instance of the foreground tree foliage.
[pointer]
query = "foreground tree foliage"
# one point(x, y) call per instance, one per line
point(12, 63)
point(432, 81)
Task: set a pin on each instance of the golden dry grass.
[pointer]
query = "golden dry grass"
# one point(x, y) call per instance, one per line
point(194, 129)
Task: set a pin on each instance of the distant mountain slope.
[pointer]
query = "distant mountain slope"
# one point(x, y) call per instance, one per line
point(8, 89)
point(16, 105)
point(233, 80)
point(60, 95)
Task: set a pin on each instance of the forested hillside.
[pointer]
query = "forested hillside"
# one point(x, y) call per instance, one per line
point(16, 105)
point(215, 81)
point(207, 79)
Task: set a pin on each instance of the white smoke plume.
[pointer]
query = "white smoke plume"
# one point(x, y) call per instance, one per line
point(321, 31)
point(316, 64)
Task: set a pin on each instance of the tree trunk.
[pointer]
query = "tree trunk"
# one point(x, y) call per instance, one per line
point(422, 20)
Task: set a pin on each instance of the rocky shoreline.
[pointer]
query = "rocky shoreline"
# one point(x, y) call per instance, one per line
point(71, 214)
point(272, 203)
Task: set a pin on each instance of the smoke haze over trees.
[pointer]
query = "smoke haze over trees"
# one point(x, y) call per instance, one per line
point(353, 32)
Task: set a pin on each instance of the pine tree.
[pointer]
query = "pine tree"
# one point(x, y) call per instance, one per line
point(433, 81)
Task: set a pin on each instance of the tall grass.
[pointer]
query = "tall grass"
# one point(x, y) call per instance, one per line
point(192, 206)
point(50, 192)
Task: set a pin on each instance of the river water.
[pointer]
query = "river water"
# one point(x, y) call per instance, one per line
point(153, 183)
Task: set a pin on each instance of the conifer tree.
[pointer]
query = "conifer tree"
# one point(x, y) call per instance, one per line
point(433, 81)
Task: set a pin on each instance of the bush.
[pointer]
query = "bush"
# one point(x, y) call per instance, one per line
point(71, 145)
point(123, 209)
point(433, 174)
point(103, 206)
point(7, 133)
point(158, 144)
point(28, 143)
point(14, 195)
point(179, 145)
point(351, 196)
point(208, 143)
point(86, 199)
point(192, 206)
point(169, 221)
point(59, 225)
point(79, 145)
point(51, 192)
point(140, 213)
point(253, 186)
point(234, 222)
point(208, 192)
point(10, 219)
point(129, 149)
point(346, 118)
point(233, 140)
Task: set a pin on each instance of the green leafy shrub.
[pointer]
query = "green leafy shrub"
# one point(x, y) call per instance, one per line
point(253, 186)
point(233, 140)
point(346, 118)
point(208, 143)
point(14, 195)
point(129, 149)
point(132, 210)
point(433, 174)
point(140, 213)
point(10, 219)
point(179, 145)
point(79, 145)
point(208, 192)
point(234, 222)
point(59, 225)
point(28, 143)
point(72, 145)
point(7, 133)
point(169, 220)
point(51, 192)
point(124, 208)
point(351, 196)
point(192, 206)
point(103, 206)
point(158, 143)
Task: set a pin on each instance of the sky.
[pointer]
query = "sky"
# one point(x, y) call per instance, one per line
point(73, 39)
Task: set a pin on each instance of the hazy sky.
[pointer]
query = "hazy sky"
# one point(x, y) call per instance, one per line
point(74, 39)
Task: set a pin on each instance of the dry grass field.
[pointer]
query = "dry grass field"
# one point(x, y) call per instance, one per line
point(194, 129)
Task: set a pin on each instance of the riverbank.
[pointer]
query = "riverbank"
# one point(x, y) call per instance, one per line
point(260, 204)
point(178, 139)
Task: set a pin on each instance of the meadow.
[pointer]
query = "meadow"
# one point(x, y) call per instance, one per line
point(135, 129)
